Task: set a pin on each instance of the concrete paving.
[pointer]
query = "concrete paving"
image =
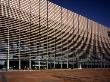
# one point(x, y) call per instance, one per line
point(76, 75)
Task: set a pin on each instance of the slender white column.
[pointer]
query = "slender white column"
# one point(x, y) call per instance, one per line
point(8, 51)
point(54, 64)
point(19, 43)
point(19, 52)
point(67, 63)
point(47, 64)
point(47, 37)
point(61, 64)
point(30, 63)
point(39, 64)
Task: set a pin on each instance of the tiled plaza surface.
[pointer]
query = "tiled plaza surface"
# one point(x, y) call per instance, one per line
point(77, 75)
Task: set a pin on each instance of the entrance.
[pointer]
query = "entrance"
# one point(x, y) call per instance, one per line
point(14, 64)
point(24, 64)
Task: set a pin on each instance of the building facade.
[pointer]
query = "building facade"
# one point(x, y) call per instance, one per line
point(38, 34)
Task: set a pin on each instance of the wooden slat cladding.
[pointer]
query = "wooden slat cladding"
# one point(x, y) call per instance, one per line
point(42, 29)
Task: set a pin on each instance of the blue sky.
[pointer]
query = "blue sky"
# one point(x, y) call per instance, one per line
point(97, 10)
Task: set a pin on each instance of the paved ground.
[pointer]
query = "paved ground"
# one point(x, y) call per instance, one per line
point(84, 75)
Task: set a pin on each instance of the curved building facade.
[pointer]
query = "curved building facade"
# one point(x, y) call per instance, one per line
point(38, 34)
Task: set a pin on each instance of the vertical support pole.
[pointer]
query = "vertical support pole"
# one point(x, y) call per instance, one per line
point(39, 64)
point(8, 39)
point(54, 47)
point(78, 51)
point(19, 52)
point(47, 64)
point(80, 67)
point(73, 39)
point(47, 38)
point(19, 64)
point(8, 51)
point(19, 42)
point(61, 40)
point(67, 64)
point(30, 37)
point(54, 64)
point(55, 50)
point(61, 64)
point(30, 63)
point(67, 46)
